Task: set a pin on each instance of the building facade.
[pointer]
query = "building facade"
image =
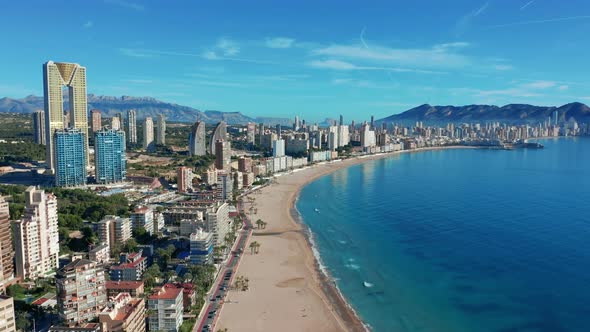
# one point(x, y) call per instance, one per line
point(6, 246)
point(223, 155)
point(201, 244)
point(39, 127)
point(70, 158)
point(148, 134)
point(184, 179)
point(36, 236)
point(124, 313)
point(110, 159)
point(114, 231)
point(131, 267)
point(165, 306)
point(7, 319)
point(219, 133)
point(57, 75)
point(95, 120)
point(132, 126)
point(81, 292)
point(161, 139)
point(143, 216)
point(134, 288)
point(196, 144)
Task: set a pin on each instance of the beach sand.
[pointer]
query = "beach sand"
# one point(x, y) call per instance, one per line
point(288, 292)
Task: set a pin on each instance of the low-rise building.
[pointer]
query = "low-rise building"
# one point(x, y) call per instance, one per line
point(131, 267)
point(133, 288)
point(100, 253)
point(87, 327)
point(124, 313)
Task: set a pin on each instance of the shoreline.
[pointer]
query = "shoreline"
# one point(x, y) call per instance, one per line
point(293, 247)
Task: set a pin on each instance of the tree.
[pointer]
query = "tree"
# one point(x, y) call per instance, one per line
point(217, 251)
point(259, 223)
point(131, 245)
point(254, 247)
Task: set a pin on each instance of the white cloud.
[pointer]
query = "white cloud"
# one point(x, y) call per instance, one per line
point(227, 47)
point(280, 42)
point(551, 20)
point(563, 87)
point(465, 22)
point(127, 4)
point(88, 24)
point(503, 67)
point(347, 66)
point(527, 4)
point(442, 55)
point(540, 85)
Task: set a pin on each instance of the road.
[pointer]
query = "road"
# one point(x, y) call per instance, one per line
point(208, 317)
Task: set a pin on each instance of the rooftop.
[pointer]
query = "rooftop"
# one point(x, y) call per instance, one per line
point(167, 292)
point(124, 284)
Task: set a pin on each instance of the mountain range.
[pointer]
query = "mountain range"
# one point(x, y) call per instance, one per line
point(148, 106)
point(517, 113)
point(144, 106)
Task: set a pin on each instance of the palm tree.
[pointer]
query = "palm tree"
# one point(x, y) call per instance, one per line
point(264, 225)
point(257, 247)
point(259, 223)
point(253, 246)
point(216, 253)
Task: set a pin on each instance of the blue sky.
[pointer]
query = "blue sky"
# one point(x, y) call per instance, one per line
point(316, 59)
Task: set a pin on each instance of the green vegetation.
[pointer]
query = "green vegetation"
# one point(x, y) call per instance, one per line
point(16, 127)
point(21, 152)
point(88, 205)
point(187, 325)
point(16, 199)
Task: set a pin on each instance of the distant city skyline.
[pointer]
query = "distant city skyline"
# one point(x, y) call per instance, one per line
point(308, 58)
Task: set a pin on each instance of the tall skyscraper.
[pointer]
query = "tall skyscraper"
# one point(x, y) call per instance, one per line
point(296, 123)
point(219, 133)
point(56, 75)
point(148, 134)
point(6, 247)
point(70, 158)
point(96, 118)
point(341, 120)
point(555, 118)
point(110, 159)
point(161, 139)
point(278, 128)
point(372, 122)
point(251, 132)
point(81, 292)
point(223, 155)
point(36, 236)
point(196, 144)
point(260, 133)
point(116, 123)
point(39, 127)
point(132, 126)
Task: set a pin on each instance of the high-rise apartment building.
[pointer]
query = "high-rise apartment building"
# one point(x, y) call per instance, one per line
point(161, 139)
point(143, 217)
point(165, 306)
point(123, 313)
point(219, 133)
point(7, 319)
point(148, 134)
point(251, 132)
point(184, 179)
point(196, 143)
point(81, 292)
point(278, 148)
point(245, 164)
point(132, 126)
point(223, 155)
point(6, 247)
point(57, 75)
point(218, 222)
point(131, 267)
point(36, 236)
point(70, 158)
point(116, 123)
point(114, 231)
point(201, 248)
point(110, 159)
point(96, 120)
point(39, 127)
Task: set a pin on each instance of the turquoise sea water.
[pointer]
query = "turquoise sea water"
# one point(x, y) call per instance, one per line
point(460, 240)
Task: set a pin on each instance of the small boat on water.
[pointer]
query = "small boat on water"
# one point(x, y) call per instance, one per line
point(317, 210)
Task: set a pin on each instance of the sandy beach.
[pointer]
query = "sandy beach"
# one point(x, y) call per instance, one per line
point(288, 292)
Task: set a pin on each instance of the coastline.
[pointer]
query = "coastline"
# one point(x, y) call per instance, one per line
point(290, 290)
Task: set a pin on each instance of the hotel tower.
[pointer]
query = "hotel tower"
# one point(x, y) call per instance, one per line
point(57, 75)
